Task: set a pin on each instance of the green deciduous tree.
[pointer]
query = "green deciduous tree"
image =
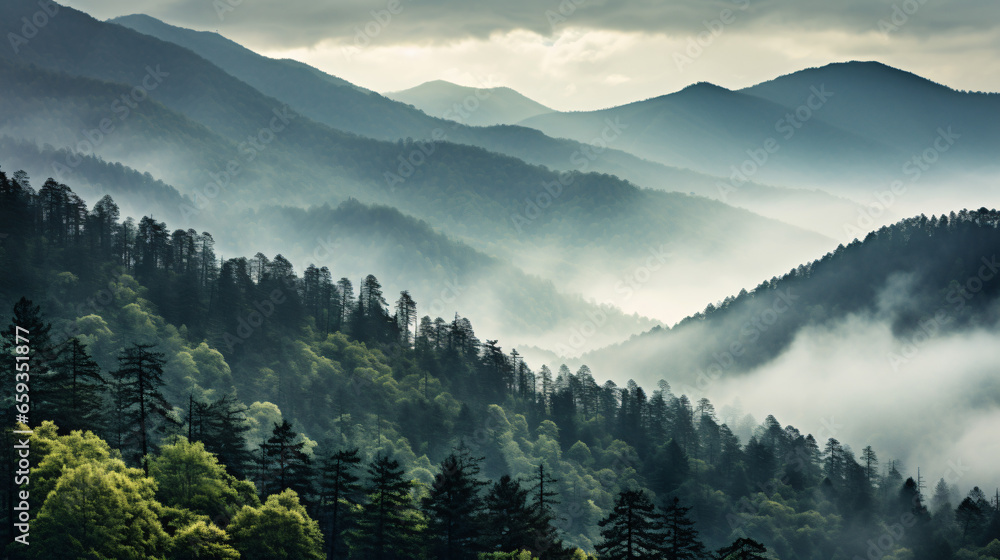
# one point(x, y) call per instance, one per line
point(202, 540)
point(100, 510)
point(190, 477)
point(281, 528)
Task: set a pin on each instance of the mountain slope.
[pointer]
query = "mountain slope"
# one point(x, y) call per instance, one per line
point(475, 106)
point(895, 107)
point(713, 130)
point(315, 164)
point(584, 231)
point(337, 103)
point(334, 102)
point(920, 277)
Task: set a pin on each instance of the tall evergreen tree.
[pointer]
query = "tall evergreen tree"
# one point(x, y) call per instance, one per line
point(406, 317)
point(743, 549)
point(388, 521)
point(454, 509)
point(290, 463)
point(629, 531)
point(75, 390)
point(338, 494)
point(143, 410)
point(226, 434)
point(680, 538)
point(548, 544)
point(509, 517)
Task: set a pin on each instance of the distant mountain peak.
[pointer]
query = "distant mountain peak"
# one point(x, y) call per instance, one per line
point(497, 106)
point(857, 69)
point(704, 86)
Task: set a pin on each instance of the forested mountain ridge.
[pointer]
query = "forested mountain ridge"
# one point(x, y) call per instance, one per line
point(251, 330)
point(920, 271)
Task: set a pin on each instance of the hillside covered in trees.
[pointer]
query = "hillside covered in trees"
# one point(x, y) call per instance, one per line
point(188, 406)
point(926, 275)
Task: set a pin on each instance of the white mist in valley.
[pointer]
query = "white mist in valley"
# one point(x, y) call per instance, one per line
point(933, 405)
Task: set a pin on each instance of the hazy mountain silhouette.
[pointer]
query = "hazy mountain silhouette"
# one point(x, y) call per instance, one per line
point(717, 131)
point(337, 103)
point(484, 106)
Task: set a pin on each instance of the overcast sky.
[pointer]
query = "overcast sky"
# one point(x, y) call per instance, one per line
point(587, 54)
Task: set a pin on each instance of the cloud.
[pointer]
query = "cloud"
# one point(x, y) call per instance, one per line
point(569, 54)
point(305, 23)
point(937, 411)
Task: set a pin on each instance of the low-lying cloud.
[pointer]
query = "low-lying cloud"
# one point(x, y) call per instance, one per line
point(937, 409)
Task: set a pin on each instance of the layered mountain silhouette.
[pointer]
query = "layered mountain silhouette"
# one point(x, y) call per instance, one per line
point(482, 106)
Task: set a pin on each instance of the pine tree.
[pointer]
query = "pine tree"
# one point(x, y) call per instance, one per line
point(338, 494)
point(870, 461)
point(509, 517)
point(680, 539)
point(833, 461)
point(406, 317)
point(291, 464)
point(387, 523)
point(142, 408)
point(454, 509)
point(743, 549)
point(75, 390)
point(225, 434)
point(629, 530)
point(548, 544)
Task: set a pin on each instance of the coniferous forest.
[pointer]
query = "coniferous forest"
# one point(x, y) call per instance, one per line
point(185, 405)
